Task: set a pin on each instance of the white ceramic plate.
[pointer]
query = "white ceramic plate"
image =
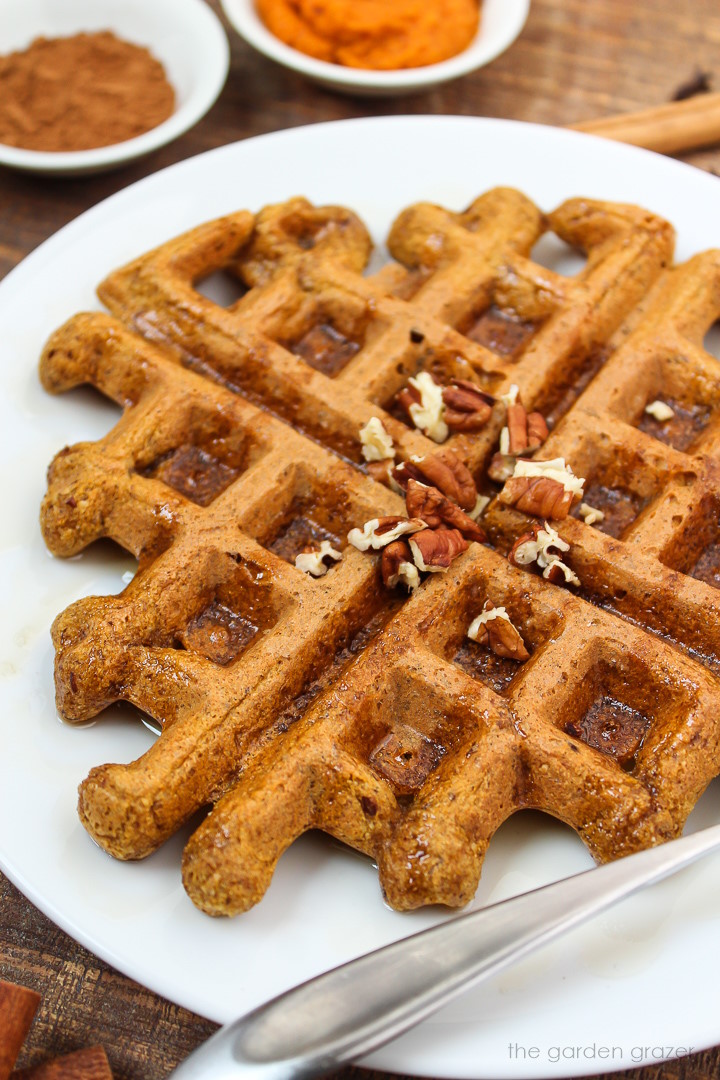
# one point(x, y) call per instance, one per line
point(636, 984)
point(500, 23)
point(184, 35)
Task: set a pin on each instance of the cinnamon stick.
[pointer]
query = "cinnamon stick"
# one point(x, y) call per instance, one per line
point(669, 129)
point(17, 1009)
point(90, 1064)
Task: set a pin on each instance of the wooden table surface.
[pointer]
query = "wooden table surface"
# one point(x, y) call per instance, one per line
point(574, 60)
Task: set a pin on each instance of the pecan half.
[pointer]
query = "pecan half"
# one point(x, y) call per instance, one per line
point(463, 421)
point(444, 471)
point(467, 407)
point(494, 629)
point(426, 503)
point(517, 428)
point(434, 508)
point(397, 566)
point(538, 495)
point(435, 549)
point(537, 430)
point(544, 488)
point(525, 432)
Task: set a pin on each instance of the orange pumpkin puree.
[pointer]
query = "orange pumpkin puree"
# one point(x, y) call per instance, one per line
point(378, 34)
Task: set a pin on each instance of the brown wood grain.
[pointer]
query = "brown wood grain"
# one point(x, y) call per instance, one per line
point(574, 61)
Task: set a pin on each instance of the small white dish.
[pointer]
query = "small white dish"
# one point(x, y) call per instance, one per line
point(184, 35)
point(500, 23)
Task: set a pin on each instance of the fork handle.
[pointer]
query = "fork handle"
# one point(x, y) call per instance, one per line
point(353, 1009)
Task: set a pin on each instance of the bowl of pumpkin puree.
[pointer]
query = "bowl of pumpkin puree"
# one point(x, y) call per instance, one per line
point(379, 47)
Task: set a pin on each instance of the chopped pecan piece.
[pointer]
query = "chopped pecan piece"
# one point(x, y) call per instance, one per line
point(377, 444)
point(481, 504)
point(314, 561)
point(434, 508)
point(559, 573)
point(406, 397)
point(511, 397)
point(422, 400)
point(405, 758)
point(501, 467)
point(435, 549)
point(397, 566)
point(590, 514)
point(467, 407)
point(444, 471)
point(660, 411)
point(378, 532)
point(556, 469)
point(542, 545)
point(494, 629)
point(381, 471)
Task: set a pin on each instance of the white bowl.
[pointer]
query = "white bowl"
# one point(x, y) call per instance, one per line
point(500, 23)
point(184, 35)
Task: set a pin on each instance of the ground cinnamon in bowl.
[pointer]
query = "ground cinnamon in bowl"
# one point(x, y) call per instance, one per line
point(81, 92)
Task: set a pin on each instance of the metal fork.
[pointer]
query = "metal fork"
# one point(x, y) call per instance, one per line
point(348, 1012)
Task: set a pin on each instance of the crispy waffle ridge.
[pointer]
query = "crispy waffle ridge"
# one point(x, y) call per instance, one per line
point(293, 703)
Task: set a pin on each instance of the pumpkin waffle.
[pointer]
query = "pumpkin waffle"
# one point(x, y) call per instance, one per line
point(293, 703)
